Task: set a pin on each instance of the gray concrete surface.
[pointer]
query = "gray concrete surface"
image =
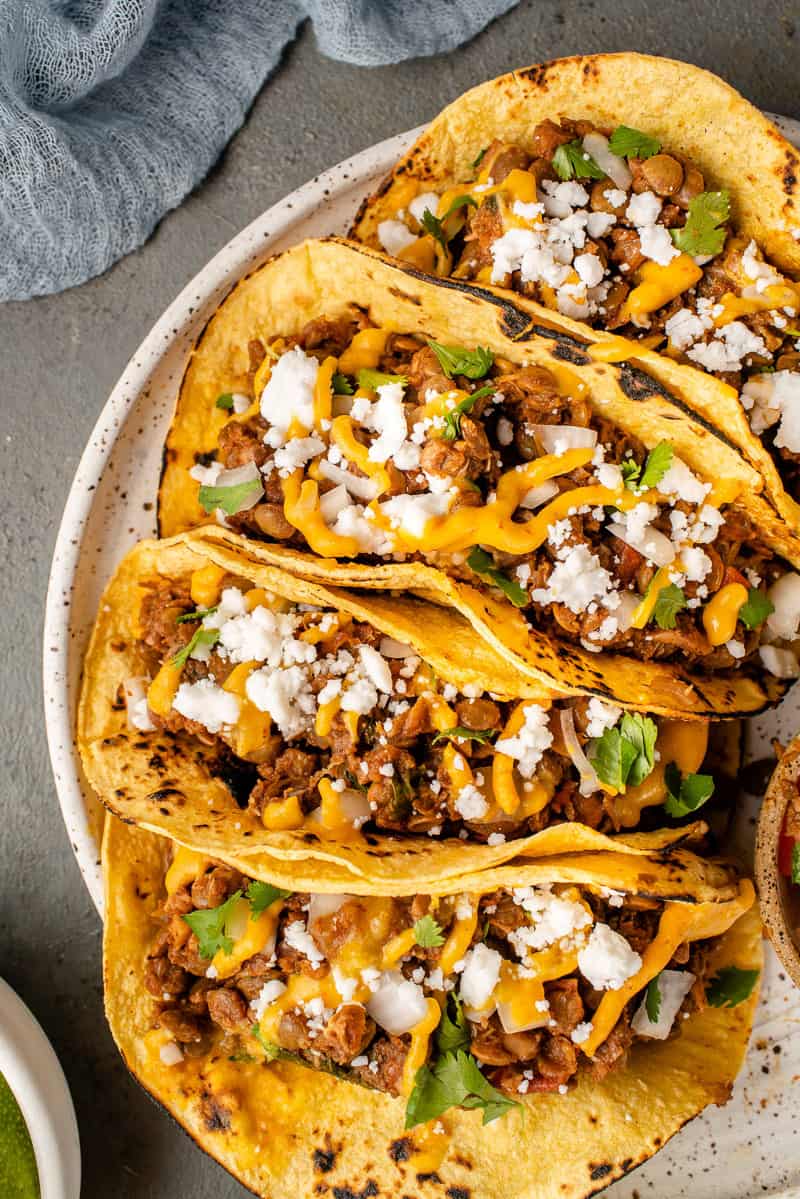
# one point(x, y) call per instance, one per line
point(59, 358)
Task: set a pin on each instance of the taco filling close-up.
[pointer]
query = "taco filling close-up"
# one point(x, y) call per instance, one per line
point(354, 441)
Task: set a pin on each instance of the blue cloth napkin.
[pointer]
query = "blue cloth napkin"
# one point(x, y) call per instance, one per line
point(112, 110)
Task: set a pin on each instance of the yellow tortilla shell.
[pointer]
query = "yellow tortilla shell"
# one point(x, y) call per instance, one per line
point(166, 783)
point(286, 1130)
point(325, 278)
point(690, 111)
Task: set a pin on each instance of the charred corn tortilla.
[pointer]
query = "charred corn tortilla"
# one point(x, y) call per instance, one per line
point(177, 776)
point(286, 1129)
point(328, 278)
point(684, 111)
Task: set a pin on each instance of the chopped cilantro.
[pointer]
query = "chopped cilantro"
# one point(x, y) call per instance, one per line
point(452, 418)
point(456, 360)
point(230, 499)
point(210, 927)
point(476, 162)
point(200, 637)
point(453, 1031)
point(671, 600)
point(703, 232)
point(659, 460)
point(428, 933)
point(630, 472)
point(756, 608)
point(454, 1081)
point(431, 224)
point(625, 754)
point(342, 386)
point(459, 733)
point(460, 202)
point(262, 896)
point(795, 874)
point(482, 564)
point(731, 986)
point(224, 401)
point(571, 161)
point(198, 614)
point(632, 143)
point(652, 1000)
point(686, 793)
point(371, 379)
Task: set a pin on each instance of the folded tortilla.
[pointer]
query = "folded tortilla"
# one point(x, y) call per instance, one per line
point(283, 1128)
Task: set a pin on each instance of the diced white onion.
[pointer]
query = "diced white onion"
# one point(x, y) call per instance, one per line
point(395, 649)
point(617, 169)
point(243, 474)
point(332, 502)
point(785, 596)
point(589, 779)
point(136, 704)
point(653, 544)
point(539, 495)
point(780, 662)
point(171, 1054)
point(354, 806)
point(358, 485)
point(673, 987)
point(397, 1004)
point(558, 438)
point(628, 603)
point(324, 905)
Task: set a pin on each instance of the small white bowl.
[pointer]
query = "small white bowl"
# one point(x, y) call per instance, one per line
point(32, 1071)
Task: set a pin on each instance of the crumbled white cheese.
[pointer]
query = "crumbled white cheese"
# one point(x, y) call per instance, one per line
point(607, 960)
point(289, 392)
point(576, 581)
point(206, 702)
point(470, 803)
point(298, 937)
point(529, 744)
point(394, 236)
point(271, 991)
point(601, 716)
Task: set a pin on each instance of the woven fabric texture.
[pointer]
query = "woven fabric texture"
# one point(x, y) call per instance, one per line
point(112, 110)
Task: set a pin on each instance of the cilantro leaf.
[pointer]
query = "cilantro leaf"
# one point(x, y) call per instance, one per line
point(459, 733)
point(210, 927)
point(476, 162)
point(456, 360)
point(198, 614)
point(464, 201)
point(795, 875)
point(455, 1081)
point(262, 895)
point(482, 564)
point(230, 499)
point(640, 732)
point(625, 753)
point(431, 224)
point(686, 794)
point(571, 161)
point(453, 1032)
point(756, 608)
point(703, 232)
point(224, 401)
point(659, 460)
point(200, 637)
point(731, 986)
point(452, 418)
point(342, 386)
point(428, 933)
point(371, 379)
point(632, 143)
point(652, 1000)
point(671, 600)
point(630, 473)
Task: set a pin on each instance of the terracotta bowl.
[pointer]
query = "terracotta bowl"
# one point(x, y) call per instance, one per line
point(773, 888)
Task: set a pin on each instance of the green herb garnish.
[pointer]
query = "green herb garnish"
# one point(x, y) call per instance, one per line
point(632, 143)
point(482, 564)
point(459, 733)
point(756, 608)
point(262, 896)
point(342, 386)
point(198, 614)
point(200, 637)
point(454, 1081)
point(479, 159)
point(686, 793)
point(795, 874)
point(428, 933)
point(456, 360)
point(652, 1000)
point(371, 379)
point(703, 232)
point(571, 161)
point(671, 600)
point(453, 1031)
point(210, 926)
point(452, 418)
point(224, 401)
point(431, 224)
point(625, 754)
point(658, 462)
point(731, 986)
point(230, 499)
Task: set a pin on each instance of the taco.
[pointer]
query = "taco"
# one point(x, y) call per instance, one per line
point(311, 1039)
point(328, 409)
point(643, 197)
point(226, 701)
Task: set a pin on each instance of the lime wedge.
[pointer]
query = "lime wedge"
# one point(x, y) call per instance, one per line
point(19, 1178)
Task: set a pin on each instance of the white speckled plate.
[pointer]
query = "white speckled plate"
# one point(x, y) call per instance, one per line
point(749, 1148)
